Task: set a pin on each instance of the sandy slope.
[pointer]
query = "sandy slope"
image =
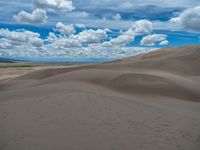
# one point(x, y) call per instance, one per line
point(147, 102)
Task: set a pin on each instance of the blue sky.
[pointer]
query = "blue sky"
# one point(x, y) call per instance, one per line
point(95, 28)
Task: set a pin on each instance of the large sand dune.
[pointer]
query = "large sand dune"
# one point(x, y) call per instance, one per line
point(146, 102)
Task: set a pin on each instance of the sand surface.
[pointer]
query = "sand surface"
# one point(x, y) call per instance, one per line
point(13, 70)
point(146, 102)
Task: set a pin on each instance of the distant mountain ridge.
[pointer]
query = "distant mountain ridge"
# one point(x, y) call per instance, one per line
point(7, 60)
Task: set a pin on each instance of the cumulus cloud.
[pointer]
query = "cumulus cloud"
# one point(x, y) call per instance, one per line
point(63, 5)
point(83, 38)
point(80, 25)
point(90, 36)
point(65, 29)
point(165, 42)
point(150, 40)
point(139, 28)
point(188, 19)
point(37, 16)
point(62, 43)
point(21, 38)
point(5, 44)
point(119, 41)
point(143, 27)
point(51, 37)
point(87, 42)
point(117, 17)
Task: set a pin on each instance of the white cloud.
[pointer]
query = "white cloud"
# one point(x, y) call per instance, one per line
point(37, 16)
point(150, 40)
point(143, 27)
point(117, 17)
point(165, 42)
point(188, 19)
point(52, 37)
point(65, 29)
point(83, 38)
point(21, 38)
point(76, 52)
point(90, 36)
point(107, 30)
point(76, 15)
point(87, 43)
point(63, 5)
point(139, 28)
point(5, 44)
point(119, 41)
point(80, 25)
point(62, 43)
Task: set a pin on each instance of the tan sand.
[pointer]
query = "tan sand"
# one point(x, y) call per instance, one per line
point(146, 102)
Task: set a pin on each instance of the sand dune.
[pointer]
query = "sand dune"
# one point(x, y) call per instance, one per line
point(150, 101)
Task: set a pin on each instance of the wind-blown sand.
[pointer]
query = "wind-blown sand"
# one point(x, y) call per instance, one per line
point(146, 102)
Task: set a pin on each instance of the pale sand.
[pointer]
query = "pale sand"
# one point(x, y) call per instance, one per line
point(13, 72)
point(147, 102)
